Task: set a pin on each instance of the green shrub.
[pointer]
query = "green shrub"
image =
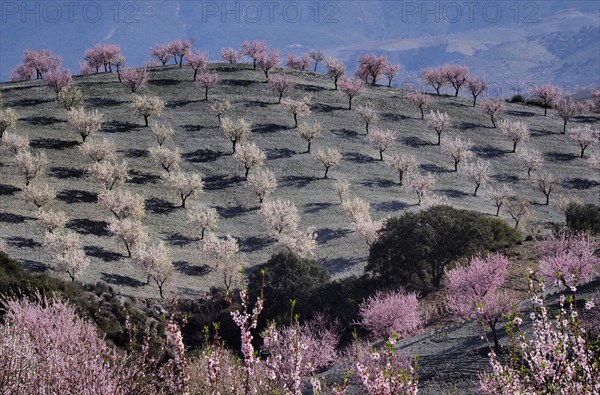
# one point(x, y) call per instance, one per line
point(286, 277)
point(505, 235)
point(517, 99)
point(414, 250)
point(584, 217)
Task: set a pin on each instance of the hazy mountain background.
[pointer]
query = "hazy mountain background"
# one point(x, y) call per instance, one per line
point(512, 43)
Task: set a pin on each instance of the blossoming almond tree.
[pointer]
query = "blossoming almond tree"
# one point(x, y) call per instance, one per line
point(352, 88)
point(184, 184)
point(545, 182)
point(368, 114)
point(262, 182)
point(476, 87)
point(162, 133)
point(584, 136)
point(31, 165)
point(492, 107)
point(435, 78)
point(308, 132)
point(546, 93)
point(66, 253)
point(382, 139)
point(207, 81)
point(161, 53)
point(15, 143)
point(335, 70)
point(147, 106)
point(99, 150)
point(219, 107)
point(250, 155)
point(317, 56)
point(122, 204)
point(297, 108)
point(328, 157)
point(439, 122)
point(280, 216)
point(8, 119)
point(85, 122)
point(419, 99)
point(40, 195)
point(236, 130)
point(109, 174)
point(166, 158)
point(402, 164)
point(341, 188)
point(197, 61)
point(393, 313)
point(223, 255)
point(58, 80)
point(516, 131)
point(133, 78)
point(203, 218)
point(231, 55)
point(131, 231)
point(156, 262)
point(478, 172)
point(52, 221)
point(422, 184)
point(280, 83)
point(500, 196)
point(567, 109)
point(456, 75)
point(459, 150)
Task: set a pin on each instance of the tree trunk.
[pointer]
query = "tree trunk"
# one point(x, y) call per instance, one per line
point(545, 110)
point(279, 100)
point(326, 170)
point(422, 115)
point(582, 151)
point(335, 81)
point(401, 173)
point(564, 127)
point(514, 147)
point(183, 199)
point(439, 141)
point(308, 150)
point(456, 93)
point(496, 344)
point(128, 249)
point(498, 210)
point(456, 165)
point(476, 188)
point(246, 175)
point(316, 63)
point(195, 73)
point(493, 121)
point(437, 90)
point(367, 128)
point(234, 143)
point(381, 155)
point(206, 94)
point(547, 198)
point(350, 103)
point(474, 100)
point(146, 120)
point(389, 82)
point(202, 234)
point(254, 63)
point(295, 120)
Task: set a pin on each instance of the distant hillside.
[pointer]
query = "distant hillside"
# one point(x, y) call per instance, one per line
point(525, 42)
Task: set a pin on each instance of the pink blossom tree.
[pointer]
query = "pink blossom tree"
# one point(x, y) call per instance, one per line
point(439, 122)
point(531, 160)
point(474, 291)
point(156, 262)
point(500, 196)
point(262, 183)
point(403, 165)
point(254, 50)
point(130, 231)
point(584, 136)
point(161, 53)
point(197, 61)
point(328, 157)
point(279, 216)
point(110, 174)
point(368, 114)
point(567, 109)
point(179, 49)
point(308, 132)
point(546, 94)
point(100, 55)
point(207, 81)
point(476, 87)
point(297, 62)
point(516, 131)
point(317, 56)
point(36, 62)
point(459, 150)
point(568, 259)
point(391, 72)
point(518, 207)
point(58, 80)
point(280, 83)
point(352, 88)
point(373, 65)
point(569, 368)
point(492, 107)
point(478, 173)
point(66, 253)
point(456, 75)
point(422, 184)
point(203, 218)
point(250, 155)
point(268, 60)
point(231, 55)
point(545, 182)
point(391, 313)
point(382, 139)
point(419, 99)
point(335, 70)
point(436, 78)
point(184, 184)
point(133, 78)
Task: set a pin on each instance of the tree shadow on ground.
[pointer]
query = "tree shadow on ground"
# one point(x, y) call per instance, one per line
point(136, 153)
point(520, 113)
point(254, 243)
point(455, 193)
point(29, 102)
point(191, 270)
point(488, 151)
point(219, 182)
point(72, 196)
point(139, 177)
point(390, 206)
point(556, 156)
point(243, 83)
point(468, 126)
point(45, 121)
point(358, 157)
point(22, 242)
point(164, 82)
point(325, 235)
point(296, 181)
point(160, 206)
point(192, 128)
point(102, 253)
point(119, 127)
point(177, 239)
point(433, 168)
point(345, 133)
point(414, 141)
point(202, 155)
point(11, 218)
point(578, 183)
point(86, 226)
point(181, 103)
point(257, 103)
point(233, 211)
point(64, 172)
point(339, 265)
point(311, 208)
point(393, 117)
point(279, 153)
point(506, 177)
point(540, 132)
point(267, 128)
point(325, 108)
point(102, 102)
point(8, 190)
point(119, 279)
point(378, 183)
point(34, 266)
point(54, 144)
